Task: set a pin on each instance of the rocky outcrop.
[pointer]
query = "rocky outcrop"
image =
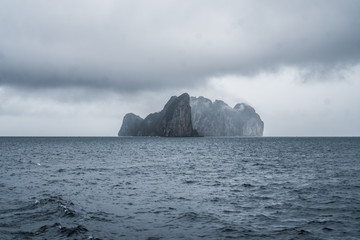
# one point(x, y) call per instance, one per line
point(131, 124)
point(173, 121)
point(219, 119)
point(182, 115)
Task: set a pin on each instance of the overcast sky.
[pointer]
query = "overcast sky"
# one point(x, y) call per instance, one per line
point(74, 68)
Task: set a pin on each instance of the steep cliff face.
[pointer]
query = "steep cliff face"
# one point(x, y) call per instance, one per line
point(131, 124)
point(177, 117)
point(252, 123)
point(219, 119)
point(173, 121)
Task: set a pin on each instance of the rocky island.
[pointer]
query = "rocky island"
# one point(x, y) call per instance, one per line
point(173, 121)
point(191, 117)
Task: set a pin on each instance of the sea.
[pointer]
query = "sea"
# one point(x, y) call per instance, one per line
point(179, 188)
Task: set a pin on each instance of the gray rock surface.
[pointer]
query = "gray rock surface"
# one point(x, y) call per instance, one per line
point(131, 124)
point(182, 115)
point(173, 121)
point(219, 119)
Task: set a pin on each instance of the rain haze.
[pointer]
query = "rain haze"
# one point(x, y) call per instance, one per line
point(75, 68)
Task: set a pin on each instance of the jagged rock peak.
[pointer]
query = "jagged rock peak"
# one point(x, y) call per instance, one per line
point(130, 125)
point(173, 121)
point(219, 119)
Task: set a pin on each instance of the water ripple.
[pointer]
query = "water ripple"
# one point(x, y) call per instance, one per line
point(159, 188)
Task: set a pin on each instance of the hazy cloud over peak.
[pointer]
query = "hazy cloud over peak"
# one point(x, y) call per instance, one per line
point(135, 45)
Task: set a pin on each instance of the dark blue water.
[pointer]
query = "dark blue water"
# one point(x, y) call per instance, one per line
point(179, 188)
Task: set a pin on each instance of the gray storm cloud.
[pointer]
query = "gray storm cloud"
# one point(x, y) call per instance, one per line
point(135, 45)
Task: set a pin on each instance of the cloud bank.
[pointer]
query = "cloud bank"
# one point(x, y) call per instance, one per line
point(129, 46)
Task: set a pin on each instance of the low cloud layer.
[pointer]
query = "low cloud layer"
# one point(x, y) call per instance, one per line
point(130, 46)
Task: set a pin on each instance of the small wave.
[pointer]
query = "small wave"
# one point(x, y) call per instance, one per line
point(235, 232)
point(263, 218)
point(215, 199)
point(198, 217)
point(327, 229)
point(66, 211)
point(227, 229)
point(100, 169)
point(42, 208)
point(247, 185)
point(294, 231)
point(189, 181)
point(55, 231)
point(183, 199)
point(57, 205)
point(189, 216)
point(79, 229)
point(324, 222)
point(101, 216)
point(46, 211)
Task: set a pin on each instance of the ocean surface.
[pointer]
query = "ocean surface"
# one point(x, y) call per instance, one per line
point(179, 188)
